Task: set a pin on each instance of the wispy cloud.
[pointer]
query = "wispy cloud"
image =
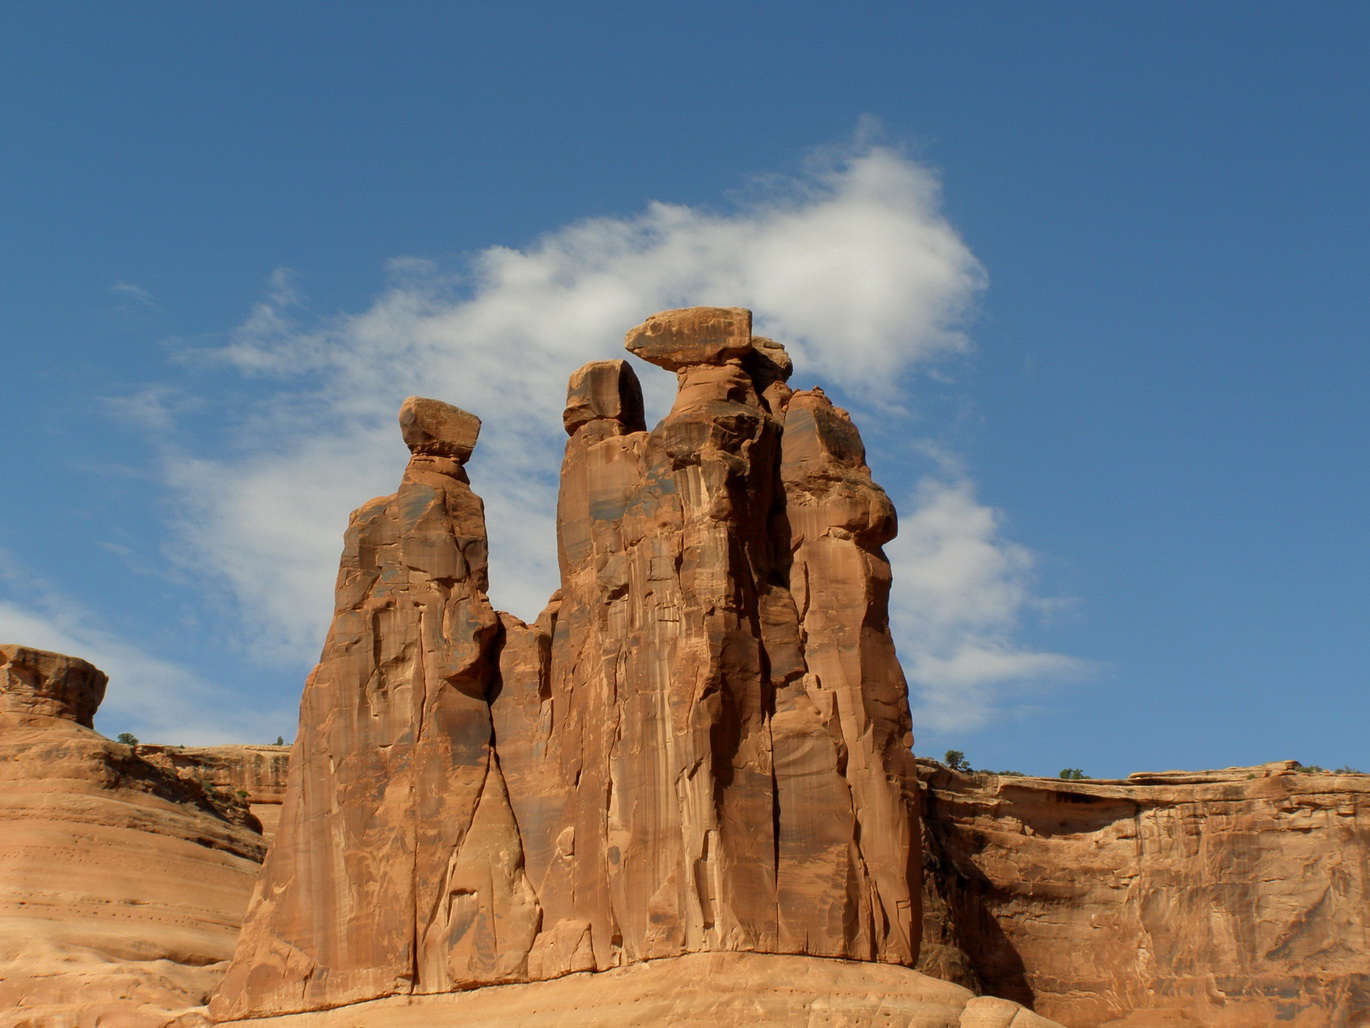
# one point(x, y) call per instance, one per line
point(154, 408)
point(960, 596)
point(155, 699)
point(852, 265)
point(133, 298)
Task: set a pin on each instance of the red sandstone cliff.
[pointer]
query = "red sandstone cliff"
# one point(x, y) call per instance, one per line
point(121, 886)
point(253, 774)
point(1224, 898)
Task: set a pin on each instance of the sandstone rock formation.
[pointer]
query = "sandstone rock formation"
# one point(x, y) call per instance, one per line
point(1226, 899)
point(683, 794)
point(702, 745)
point(121, 886)
point(256, 774)
point(39, 683)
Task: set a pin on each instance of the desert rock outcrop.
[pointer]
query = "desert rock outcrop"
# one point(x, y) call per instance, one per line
point(37, 682)
point(702, 745)
point(1225, 899)
point(254, 774)
point(121, 885)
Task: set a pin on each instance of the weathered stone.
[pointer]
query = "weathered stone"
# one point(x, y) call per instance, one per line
point(662, 764)
point(604, 391)
point(839, 581)
point(438, 429)
point(121, 884)
point(658, 766)
point(769, 367)
point(397, 867)
point(693, 335)
point(1221, 899)
point(49, 684)
point(254, 774)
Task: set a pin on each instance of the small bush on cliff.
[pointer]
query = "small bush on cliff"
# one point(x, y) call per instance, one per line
point(956, 760)
point(128, 739)
point(1318, 769)
point(1074, 774)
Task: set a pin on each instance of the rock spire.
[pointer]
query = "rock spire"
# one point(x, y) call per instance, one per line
point(702, 744)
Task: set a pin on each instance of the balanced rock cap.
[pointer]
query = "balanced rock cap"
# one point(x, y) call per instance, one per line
point(437, 428)
point(41, 682)
point(603, 390)
point(768, 361)
point(693, 335)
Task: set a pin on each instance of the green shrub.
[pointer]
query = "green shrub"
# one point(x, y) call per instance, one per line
point(128, 739)
point(1073, 774)
point(956, 760)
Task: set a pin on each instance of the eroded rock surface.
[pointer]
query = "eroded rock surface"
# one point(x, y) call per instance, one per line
point(256, 775)
point(121, 885)
point(1226, 899)
point(50, 684)
point(397, 853)
point(701, 745)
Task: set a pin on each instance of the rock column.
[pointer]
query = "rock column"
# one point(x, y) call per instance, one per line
point(397, 854)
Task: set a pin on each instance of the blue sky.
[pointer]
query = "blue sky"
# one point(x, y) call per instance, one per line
point(1093, 279)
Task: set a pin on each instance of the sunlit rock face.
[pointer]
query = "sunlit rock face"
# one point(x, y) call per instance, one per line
point(1215, 898)
point(702, 744)
point(37, 682)
point(121, 883)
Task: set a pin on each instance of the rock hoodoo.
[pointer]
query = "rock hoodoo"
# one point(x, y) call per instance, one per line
point(701, 745)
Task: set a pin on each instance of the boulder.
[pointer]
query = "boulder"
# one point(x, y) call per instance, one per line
point(49, 684)
point(695, 335)
point(438, 429)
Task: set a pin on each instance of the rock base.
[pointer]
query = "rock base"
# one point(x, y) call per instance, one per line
point(721, 990)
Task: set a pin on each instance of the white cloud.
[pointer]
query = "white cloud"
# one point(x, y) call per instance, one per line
point(960, 594)
point(133, 297)
point(853, 266)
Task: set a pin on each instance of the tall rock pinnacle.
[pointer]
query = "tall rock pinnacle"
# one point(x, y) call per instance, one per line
point(702, 744)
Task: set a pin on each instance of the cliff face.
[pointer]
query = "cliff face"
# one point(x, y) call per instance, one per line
point(121, 885)
point(701, 745)
point(1229, 898)
point(254, 774)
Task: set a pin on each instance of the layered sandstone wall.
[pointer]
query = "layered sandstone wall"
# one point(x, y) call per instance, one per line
point(254, 775)
point(121, 885)
point(1226, 899)
point(701, 745)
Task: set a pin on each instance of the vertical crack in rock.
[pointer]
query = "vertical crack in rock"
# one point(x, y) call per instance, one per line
point(703, 740)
